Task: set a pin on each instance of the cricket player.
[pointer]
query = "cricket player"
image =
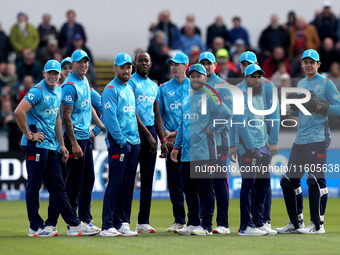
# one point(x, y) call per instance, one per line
point(77, 112)
point(147, 106)
point(248, 58)
point(220, 182)
point(38, 117)
point(171, 95)
point(254, 155)
point(196, 140)
point(309, 150)
point(123, 142)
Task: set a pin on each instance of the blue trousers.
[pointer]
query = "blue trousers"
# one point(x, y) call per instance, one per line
point(199, 195)
point(175, 187)
point(44, 166)
point(147, 162)
point(80, 179)
point(221, 190)
point(119, 190)
point(252, 181)
point(309, 155)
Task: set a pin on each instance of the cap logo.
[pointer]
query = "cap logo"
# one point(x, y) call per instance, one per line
point(53, 64)
point(205, 55)
point(246, 55)
point(310, 53)
point(125, 57)
point(82, 52)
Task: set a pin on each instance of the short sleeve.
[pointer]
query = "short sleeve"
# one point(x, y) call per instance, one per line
point(34, 95)
point(68, 94)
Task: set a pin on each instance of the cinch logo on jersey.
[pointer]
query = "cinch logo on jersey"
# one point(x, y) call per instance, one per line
point(128, 108)
point(175, 105)
point(85, 102)
point(51, 110)
point(143, 98)
point(190, 116)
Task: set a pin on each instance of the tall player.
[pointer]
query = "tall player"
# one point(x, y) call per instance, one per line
point(171, 95)
point(147, 97)
point(310, 150)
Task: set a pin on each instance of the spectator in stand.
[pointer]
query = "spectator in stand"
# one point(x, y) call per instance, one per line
point(225, 68)
point(69, 29)
point(295, 69)
point(302, 37)
point(172, 34)
point(218, 29)
point(8, 123)
point(26, 85)
point(46, 31)
point(334, 74)
point(291, 20)
point(194, 56)
point(281, 77)
point(29, 66)
point(159, 53)
point(191, 19)
point(190, 39)
point(3, 69)
point(326, 23)
point(47, 53)
point(218, 43)
point(6, 95)
point(271, 64)
point(236, 51)
point(24, 36)
point(328, 54)
point(273, 36)
point(5, 45)
point(9, 77)
point(238, 32)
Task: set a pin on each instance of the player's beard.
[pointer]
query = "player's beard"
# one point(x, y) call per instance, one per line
point(257, 90)
point(124, 78)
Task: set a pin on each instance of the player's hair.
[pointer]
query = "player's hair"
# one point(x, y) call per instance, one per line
point(140, 52)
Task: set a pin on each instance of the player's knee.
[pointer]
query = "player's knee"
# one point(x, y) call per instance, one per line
point(285, 182)
point(312, 181)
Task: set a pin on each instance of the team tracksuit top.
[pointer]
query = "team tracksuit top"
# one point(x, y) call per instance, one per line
point(146, 94)
point(248, 138)
point(77, 92)
point(192, 138)
point(42, 116)
point(171, 95)
point(314, 128)
point(119, 115)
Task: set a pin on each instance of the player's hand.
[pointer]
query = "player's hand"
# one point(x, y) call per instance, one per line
point(92, 134)
point(102, 128)
point(77, 151)
point(232, 154)
point(164, 150)
point(64, 154)
point(274, 149)
point(170, 138)
point(153, 144)
point(173, 155)
point(37, 137)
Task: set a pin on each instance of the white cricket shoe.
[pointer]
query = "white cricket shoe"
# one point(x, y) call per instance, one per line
point(250, 231)
point(310, 229)
point(175, 227)
point(267, 225)
point(110, 232)
point(144, 228)
point(49, 231)
point(270, 232)
point(93, 226)
point(221, 230)
point(289, 228)
point(125, 230)
point(83, 229)
point(200, 231)
point(186, 231)
point(33, 233)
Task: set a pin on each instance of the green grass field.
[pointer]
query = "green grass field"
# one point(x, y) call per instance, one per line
point(14, 239)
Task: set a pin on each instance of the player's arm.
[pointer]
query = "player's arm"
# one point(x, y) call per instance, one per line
point(97, 121)
point(333, 98)
point(59, 136)
point(159, 130)
point(142, 128)
point(20, 115)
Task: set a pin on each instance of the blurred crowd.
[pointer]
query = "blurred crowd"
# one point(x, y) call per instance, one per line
point(27, 48)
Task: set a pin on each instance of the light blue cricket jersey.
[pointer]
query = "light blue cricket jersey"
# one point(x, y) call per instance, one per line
point(313, 128)
point(119, 114)
point(222, 139)
point(192, 138)
point(96, 101)
point(42, 116)
point(171, 95)
point(76, 92)
point(146, 94)
point(257, 133)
